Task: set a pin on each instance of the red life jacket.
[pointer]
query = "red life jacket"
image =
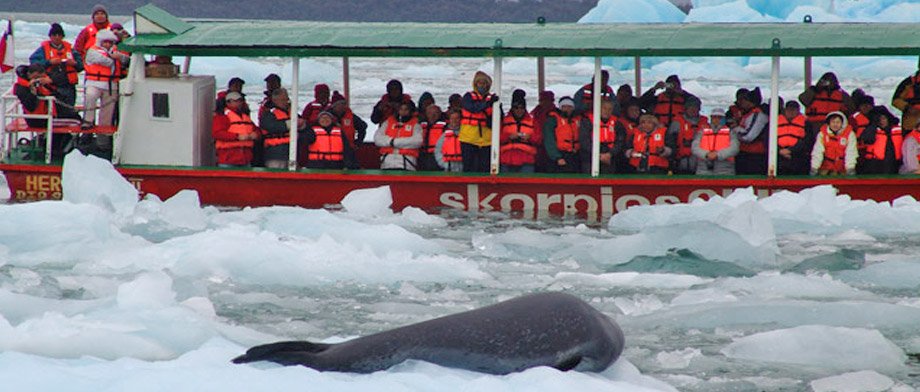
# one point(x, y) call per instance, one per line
point(916, 136)
point(271, 140)
point(757, 146)
point(567, 133)
point(824, 103)
point(450, 148)
point(835, 150)
point(510, 126)
point(480, 119)
point(65, 53)
point(588, 95)
point(631, 127)
point(608, 130)
point(788, 133)
point(101, 72)
point(859, 122)
point(347, 123)
point(396, 130)
point(711, 140)
point(668, 108)
point(328, 145)
point(240, 124)
point(649, 144)
point(877, 150)
point(41, 91)
point(433, 133)
point(312, 110)
point(687, 134)
point(91, 32)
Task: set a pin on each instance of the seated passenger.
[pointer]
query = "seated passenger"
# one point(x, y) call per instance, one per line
point(354, 127)
point(560, 138)
point(399, 138)
point(432, 128)
point(667, 105)
point(584, 97)
point(685, 127)
point(330, 148)
point(319, 104)
point(519, 139)
point(714, 148)
point(234, 133)
point(651, 147)
point(834, 152)
point(275, 124)
point(447, 150)
point(389, 102)
point(910, 151)
point(234, 85)
point(612, 139)
point(752, 132)
point(793, 155)
point(32, 84)
point(883, 139)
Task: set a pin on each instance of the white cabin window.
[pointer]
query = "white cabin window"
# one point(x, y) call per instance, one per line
point(160, 105)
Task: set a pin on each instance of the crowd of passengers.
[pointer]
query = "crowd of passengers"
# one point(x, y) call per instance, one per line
point(660, 132)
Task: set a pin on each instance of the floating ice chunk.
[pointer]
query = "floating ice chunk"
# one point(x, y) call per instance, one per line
point(92, 180)
point(631, 279)
point(415, 217)
point(184, 210)
point(369, 202)
point(629, 11)
point(862, 381)
point(894, 274)
point(823, 346)
point(5, 192)
point(736, 11)
point(150, 290)
point(679, 359)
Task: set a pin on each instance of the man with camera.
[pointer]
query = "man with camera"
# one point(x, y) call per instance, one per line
point(32, 86)
point(667, 105)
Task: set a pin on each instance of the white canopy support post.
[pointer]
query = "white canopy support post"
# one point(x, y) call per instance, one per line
point(295, 81)
point(50, 131)
point(496, 116)
point(187, 65)
point(638, 66)
point(541, 75)
point(596, 124)
point(807, 71)
point(346, 82)
point(774, 119)
point(135, 72)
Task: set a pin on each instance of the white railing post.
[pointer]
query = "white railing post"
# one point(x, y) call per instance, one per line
point(49, 128)
point(496, 117)
point(774, 118)
point(295, 80)
point(596, 124)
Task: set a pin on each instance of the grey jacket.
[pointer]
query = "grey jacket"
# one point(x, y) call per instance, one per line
point(722, 166)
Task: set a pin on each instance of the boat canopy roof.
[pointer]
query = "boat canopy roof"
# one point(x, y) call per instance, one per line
point(159, 32)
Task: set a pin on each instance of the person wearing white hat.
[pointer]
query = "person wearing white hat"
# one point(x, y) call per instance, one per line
point(102, 65)
point(560, 138)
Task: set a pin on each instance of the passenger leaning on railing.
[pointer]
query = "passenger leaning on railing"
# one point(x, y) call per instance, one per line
point(32, 85)
point(714, 147)
point(103, 66)
point(330, 148)
point(651, 147)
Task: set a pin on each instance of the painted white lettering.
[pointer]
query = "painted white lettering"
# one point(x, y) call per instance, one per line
point(699, 193)
point(626, 201)
point(544, 201)
point(667, 199)
point(452, 200)
point(526, 202)
point(570, 201)
point(606, 201)
point(472, 197)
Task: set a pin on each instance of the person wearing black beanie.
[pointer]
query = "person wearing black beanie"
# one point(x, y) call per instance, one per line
point(61, 62)
point(519, 138)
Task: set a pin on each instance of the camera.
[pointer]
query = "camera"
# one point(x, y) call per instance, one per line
point(669, 85)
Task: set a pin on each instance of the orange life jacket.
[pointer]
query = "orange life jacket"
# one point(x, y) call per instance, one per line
point(687, 133)
point(433, 133)
point(396, 130)
point(916, 136)
point(271, 140)
point(91, 32)
point(788, 133)
point(567, 133)
point(877, 150)
point(480, 119)
point(450, 148)
point(347, 123)
point(859, 122)
point(712, 140)
point(757, 146)
point(824, 103)
point(668, 108)
point(629, 126)
point(835, 150)
point(101, 72)
point(65, 53)
point(649, 144)
point(608, 130)
point(328, 145)
point(588, 95)
point(41, 91)
point(240, 124)
point(510, 126)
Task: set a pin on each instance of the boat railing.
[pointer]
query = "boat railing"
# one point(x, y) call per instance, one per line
point(18, 125)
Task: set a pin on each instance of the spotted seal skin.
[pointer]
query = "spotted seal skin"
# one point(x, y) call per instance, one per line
point(545, 329)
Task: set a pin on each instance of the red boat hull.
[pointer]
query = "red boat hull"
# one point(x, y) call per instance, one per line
point(530, 196)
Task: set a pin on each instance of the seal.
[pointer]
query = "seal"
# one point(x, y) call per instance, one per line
point(545, 329)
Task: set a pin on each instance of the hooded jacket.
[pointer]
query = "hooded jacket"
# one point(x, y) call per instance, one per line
point(476, 128)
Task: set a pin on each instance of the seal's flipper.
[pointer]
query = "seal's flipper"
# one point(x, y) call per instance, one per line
point(280, 351)
point(568, 363)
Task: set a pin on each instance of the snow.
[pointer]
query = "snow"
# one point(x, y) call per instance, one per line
point(817, 345)
point(88, 179)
